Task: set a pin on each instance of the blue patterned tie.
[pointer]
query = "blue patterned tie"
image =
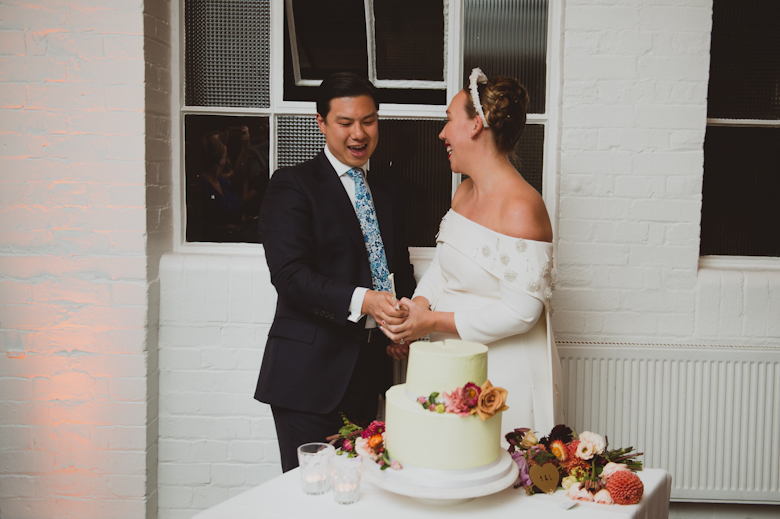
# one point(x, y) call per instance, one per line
point(368, 223)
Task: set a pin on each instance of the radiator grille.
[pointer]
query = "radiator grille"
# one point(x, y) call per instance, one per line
point(710, 416)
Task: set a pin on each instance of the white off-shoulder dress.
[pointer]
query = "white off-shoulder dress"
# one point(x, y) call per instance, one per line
point(500, 289)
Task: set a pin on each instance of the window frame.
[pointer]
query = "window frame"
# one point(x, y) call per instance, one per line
point(371, 53)
point(728, 262)
point(550, 119)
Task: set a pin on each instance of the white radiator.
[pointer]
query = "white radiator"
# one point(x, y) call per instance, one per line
point(709, 415)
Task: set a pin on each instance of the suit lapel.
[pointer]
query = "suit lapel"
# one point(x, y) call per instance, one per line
point(334, 192)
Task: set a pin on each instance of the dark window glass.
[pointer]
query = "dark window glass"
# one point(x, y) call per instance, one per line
point(741, 181)
point(409, 39)
point(411, 155)
point(509, 38)
point(227, 53)
point(226, 166)
point(529, 155)
point(745, 60)
point(330, 31)
point(330, 37)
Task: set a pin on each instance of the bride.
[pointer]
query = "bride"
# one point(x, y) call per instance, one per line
point(491, 277)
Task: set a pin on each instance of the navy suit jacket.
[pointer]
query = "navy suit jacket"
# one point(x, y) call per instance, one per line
point(317, 257)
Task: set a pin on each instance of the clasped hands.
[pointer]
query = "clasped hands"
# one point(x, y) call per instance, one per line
point(403, 321)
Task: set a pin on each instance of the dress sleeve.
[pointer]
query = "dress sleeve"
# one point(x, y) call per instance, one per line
point(515, 313)
point(432, 283)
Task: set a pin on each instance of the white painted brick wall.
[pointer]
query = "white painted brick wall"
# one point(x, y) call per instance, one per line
point(74, 296)
point(215, 439)
point(86, 204)
point(632, 120)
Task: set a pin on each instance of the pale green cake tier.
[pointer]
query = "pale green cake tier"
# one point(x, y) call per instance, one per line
point(445, 365)
point(445, 441)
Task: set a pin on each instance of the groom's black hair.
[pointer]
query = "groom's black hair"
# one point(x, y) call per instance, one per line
point(343, 84)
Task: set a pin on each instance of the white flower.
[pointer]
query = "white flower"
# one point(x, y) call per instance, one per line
point(572, 491)
point(590, 445)
point(362, 449)
point(578, 494)
point(568, 481)
point(610, 468)
point(603, 497)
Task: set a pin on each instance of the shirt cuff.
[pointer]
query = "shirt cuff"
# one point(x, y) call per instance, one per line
point(356, 304)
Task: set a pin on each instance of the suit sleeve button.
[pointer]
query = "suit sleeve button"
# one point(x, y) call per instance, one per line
point(316, 311)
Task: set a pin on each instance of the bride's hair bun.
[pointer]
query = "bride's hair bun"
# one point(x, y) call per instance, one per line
point(504, 102)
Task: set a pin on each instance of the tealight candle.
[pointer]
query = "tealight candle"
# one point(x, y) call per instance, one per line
point(314, 461)
point(346, 479)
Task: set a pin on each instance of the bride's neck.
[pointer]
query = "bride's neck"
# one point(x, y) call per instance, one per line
point(490, 175)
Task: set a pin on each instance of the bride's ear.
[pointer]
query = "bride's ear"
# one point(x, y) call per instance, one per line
point(477, 127)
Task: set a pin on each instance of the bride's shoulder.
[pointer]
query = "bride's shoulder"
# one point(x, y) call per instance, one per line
point(524, 215)
point(462, 192)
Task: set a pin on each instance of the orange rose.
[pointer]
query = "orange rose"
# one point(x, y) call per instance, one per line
point(375, 440)
point(491, 401)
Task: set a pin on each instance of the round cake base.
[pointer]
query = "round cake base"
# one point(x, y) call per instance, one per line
point(441, 488)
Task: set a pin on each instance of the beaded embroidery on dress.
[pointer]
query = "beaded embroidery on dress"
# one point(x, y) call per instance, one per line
point(525, 265)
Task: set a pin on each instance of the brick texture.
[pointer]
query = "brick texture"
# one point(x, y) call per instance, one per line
point(77, 385)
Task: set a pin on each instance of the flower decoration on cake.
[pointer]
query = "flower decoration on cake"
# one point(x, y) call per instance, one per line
point(484, 401)
point(588, 469)
point(353, 440)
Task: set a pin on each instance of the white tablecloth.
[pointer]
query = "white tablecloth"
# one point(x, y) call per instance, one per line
point(282, 498)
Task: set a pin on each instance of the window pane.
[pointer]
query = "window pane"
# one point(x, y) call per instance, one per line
point(411, 155)
point(741, 182)
point(409, 39)
point(334, 38)
point(745, 60)
point(509, 38)
point(330, 36)
point(224, 195)
point(227, 53)
point(529, 159)
point(299, 139)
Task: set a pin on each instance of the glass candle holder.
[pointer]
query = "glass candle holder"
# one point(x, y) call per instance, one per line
point(314, 460)
point(345, 478)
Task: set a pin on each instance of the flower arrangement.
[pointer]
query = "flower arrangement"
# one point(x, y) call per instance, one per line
point(484, 401)
point(354, 440)
point(587, 469)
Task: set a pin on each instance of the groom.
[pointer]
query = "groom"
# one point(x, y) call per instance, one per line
point(332, 235)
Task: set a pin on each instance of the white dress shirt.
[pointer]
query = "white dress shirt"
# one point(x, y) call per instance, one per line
point(356, 303)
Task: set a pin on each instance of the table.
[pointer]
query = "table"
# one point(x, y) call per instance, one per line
point(282, 498)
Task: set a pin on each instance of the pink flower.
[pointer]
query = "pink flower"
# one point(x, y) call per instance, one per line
point(610, 468)
point(421, 399)
point(579, 494)
point(471, 393)
point(454, 403)
point(347, 446)
point(395, 465)
point(375, 428)
point(432, 407)
point(603, 497)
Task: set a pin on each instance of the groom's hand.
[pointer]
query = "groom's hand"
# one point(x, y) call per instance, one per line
point(398, 351)
point(382, 307)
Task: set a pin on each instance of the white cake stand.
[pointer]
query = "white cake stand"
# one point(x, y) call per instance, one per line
point(494, 478)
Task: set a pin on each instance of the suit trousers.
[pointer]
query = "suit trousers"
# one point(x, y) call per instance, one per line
point(359, 404)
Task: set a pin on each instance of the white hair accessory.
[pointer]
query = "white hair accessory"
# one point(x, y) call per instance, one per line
point(477, 76)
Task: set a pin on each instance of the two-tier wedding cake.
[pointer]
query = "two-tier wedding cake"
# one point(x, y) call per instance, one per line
point(428, 438)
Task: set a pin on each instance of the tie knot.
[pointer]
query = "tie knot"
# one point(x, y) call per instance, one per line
point(355, 173)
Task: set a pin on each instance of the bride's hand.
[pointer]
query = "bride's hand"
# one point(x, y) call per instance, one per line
point(420, 321)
